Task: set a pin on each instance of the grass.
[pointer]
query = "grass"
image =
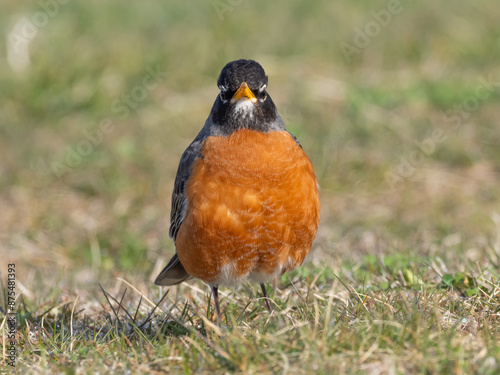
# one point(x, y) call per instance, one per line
point(377, 318)
point(404, 277)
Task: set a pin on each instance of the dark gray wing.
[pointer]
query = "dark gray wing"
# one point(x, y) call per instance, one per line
point(174, 273)
point(179, 200)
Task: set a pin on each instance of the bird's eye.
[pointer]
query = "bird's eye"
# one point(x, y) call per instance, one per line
point(223, 93)
point(261, 93)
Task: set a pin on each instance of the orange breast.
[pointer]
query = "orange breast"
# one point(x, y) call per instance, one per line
point(253, 208)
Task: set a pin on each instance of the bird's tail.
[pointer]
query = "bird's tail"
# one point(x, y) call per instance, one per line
point(173, 273)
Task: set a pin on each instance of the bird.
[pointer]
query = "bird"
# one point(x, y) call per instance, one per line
point(245, 203)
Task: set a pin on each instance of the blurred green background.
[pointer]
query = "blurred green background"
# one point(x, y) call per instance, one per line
point(138, 79)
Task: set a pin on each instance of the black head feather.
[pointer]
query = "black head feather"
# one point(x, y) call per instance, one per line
point(239, 71)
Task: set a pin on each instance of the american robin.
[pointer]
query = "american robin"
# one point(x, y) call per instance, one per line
point(245, 203)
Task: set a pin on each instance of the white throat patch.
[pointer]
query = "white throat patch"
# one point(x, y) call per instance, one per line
point(245, 108)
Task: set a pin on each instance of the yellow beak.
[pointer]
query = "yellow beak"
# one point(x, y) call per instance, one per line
point(243, 92)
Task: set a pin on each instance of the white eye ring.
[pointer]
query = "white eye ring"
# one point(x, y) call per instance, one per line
point(262, 89)
point(222, 89)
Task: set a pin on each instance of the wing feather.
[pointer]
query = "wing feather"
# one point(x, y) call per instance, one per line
point(174, 272)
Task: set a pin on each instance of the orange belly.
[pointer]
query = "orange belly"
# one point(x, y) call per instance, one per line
point(253, 208)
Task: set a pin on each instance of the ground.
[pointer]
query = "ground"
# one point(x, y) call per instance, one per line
point(395, 102)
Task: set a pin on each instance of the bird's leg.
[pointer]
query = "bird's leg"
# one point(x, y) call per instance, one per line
point(268, 303)
point(215, 291)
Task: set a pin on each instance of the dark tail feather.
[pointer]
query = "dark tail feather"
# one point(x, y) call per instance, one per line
point(173, 274)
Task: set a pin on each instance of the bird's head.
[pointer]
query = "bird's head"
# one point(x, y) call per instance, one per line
point(243, 102)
